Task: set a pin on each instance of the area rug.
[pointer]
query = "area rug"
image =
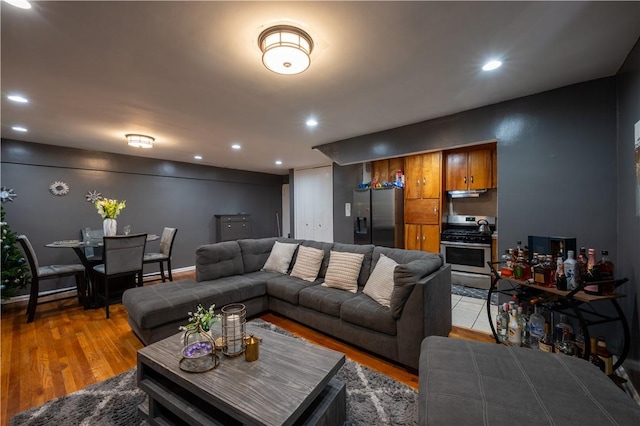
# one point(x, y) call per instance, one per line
point(372, 399)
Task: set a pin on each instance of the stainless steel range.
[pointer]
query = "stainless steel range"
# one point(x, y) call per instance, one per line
point(466, 245)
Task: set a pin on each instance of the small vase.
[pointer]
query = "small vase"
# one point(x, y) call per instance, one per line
point(110, 227)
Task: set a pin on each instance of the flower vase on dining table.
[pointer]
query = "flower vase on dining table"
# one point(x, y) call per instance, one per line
point(110, 227)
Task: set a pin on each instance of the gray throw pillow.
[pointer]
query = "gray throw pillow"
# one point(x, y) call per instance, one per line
point(405, 276)
point(280, 257)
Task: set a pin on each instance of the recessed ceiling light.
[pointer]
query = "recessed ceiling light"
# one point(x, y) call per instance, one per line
point(22, 4)
point(278, 162)
point(312, 122)
point(19, 128)
point(198, 157)
point(18, 98)
point(236, 146)
point(492, 65)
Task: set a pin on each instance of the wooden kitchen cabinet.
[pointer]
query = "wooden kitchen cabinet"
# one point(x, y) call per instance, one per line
point(425, 211)
point(385, 170)
point(468, 170)
point(423, 176)
point(422, 237)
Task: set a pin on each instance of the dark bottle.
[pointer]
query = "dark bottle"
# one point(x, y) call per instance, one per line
point(607, 273)
point(582, 264)
point(561, 278)
point(546, 343)
point(592, 275)
point(605, 356)
point(593, 356)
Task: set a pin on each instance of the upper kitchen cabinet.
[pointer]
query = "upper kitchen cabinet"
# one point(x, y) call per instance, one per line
point(470, 169)
point(385, 170)
point(423, 176)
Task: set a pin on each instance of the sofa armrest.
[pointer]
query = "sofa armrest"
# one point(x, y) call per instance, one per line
point(427, 312)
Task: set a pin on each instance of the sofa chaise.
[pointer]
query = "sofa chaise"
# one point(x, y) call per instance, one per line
point(242, 271)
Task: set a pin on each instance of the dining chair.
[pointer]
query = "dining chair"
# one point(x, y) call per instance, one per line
point(93, 254)
point(41, 273)
point(166, 247)
point(123, 255)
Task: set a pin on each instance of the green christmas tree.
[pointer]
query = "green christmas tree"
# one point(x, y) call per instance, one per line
point(15, 272)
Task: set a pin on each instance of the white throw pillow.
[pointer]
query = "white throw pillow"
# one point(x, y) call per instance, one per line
point(343, 270)
point(307, 263)
point(379, 286)
point(280, 257)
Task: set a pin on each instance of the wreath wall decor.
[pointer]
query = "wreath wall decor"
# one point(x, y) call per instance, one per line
point(93, 196)
point(59, 188)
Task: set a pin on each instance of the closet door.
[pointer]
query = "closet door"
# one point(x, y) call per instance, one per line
point(313, 203)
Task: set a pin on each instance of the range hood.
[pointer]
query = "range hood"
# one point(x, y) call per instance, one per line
point(470, 193)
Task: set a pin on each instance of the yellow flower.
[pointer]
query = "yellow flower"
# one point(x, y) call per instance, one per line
point(109, 208)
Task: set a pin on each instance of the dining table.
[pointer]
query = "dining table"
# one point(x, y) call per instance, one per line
point(79, 247)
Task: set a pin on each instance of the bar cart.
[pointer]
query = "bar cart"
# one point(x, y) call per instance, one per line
point(575, 304)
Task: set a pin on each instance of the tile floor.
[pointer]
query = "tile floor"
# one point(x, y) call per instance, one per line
point(470, 312)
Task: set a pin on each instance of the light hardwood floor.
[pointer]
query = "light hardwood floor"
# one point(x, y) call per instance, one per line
point(68, 348)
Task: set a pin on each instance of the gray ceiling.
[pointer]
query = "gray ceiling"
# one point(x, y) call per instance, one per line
point(190, 73)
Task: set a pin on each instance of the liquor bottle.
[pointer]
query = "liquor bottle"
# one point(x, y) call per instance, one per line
point(536, 327)
point(582, 264)
point(607, 273)
point(507, 264)
point(592, 275)
point(524, 326)
point(521, 269)
point(593, 356)
point(549, 271)
point(546, 343)
point(605, 356)
point(560, 328)
point(518, 250)
point(570, 269)
point(515, 331)
point(561, 278)
point(501, 325)
point(578, 345)
point(564, 346)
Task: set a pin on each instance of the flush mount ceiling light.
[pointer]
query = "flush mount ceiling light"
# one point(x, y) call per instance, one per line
point(492, 65)
point(140, 141)
point(285, 49)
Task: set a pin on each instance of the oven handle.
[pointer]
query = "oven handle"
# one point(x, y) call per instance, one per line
point(454, 244)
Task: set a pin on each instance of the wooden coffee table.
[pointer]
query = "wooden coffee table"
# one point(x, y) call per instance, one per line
point(292, 382)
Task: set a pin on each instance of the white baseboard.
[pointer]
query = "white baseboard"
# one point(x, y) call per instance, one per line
point(71, 291)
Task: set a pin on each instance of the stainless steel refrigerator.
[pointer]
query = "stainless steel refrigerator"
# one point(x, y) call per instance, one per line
point(379, 217)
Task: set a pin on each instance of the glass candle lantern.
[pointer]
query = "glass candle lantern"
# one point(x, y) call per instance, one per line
point(234, 320)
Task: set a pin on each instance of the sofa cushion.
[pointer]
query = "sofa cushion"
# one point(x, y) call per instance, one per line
point(255, 252)
point(280, 257)
point(323, 299)
point(405, 277)
point(402, 256)
point(287, 288)
point(367, 250)
point(343, 270)
point(308, 262)
point(380, 283)
point(163, 303)
point(218, 260)
point(364, 311)
point(326, 247)
point(262, 276)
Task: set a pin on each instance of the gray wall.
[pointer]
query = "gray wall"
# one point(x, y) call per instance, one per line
point(158, 193)
point(561, 169)
point(628, 192)
point(345, 180)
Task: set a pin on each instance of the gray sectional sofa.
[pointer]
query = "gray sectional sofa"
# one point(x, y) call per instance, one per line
point(232, 272)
